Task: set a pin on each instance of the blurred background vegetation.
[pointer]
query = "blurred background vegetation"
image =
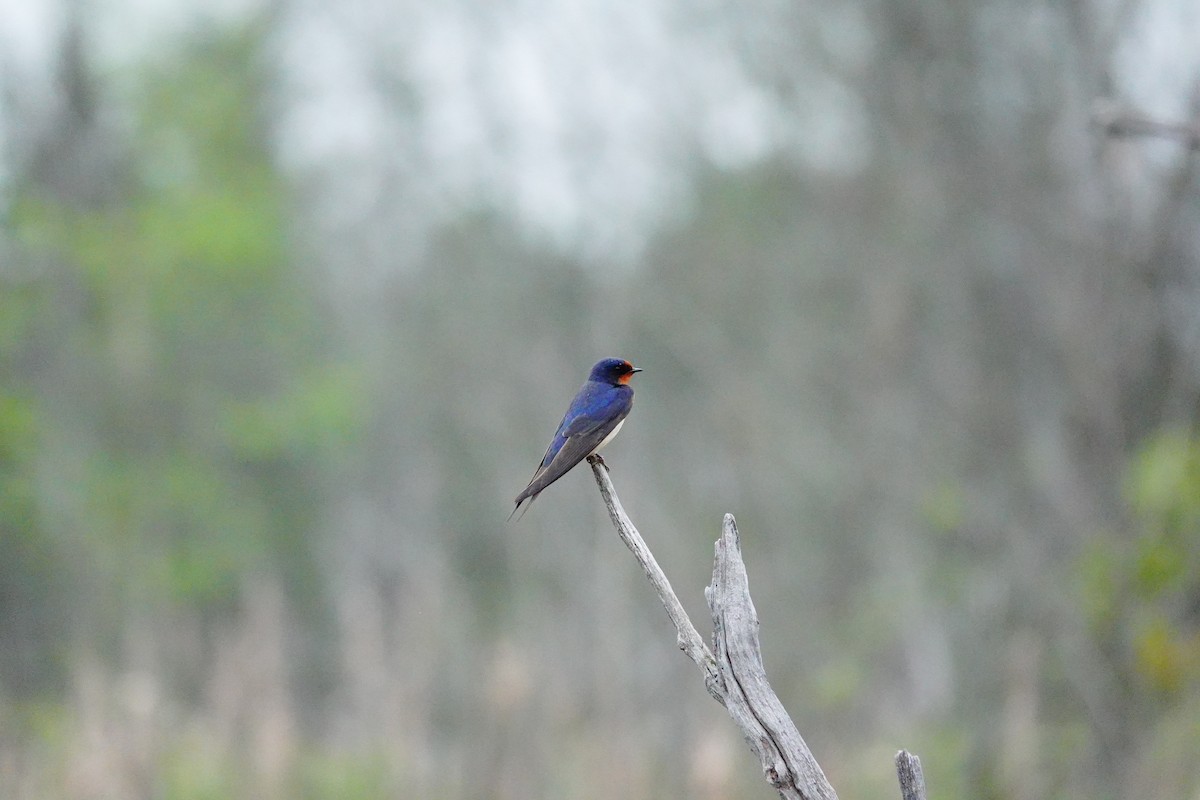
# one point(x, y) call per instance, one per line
point(292, 296)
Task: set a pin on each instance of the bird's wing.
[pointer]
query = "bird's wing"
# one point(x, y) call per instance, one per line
point(594, 414)
point(591, 409)
point(573, 450)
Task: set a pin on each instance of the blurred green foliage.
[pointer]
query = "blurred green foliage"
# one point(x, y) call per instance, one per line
point(161, 335)
point(28, 574)
point(349, 776)
point(190, 772)
point(1142, 591)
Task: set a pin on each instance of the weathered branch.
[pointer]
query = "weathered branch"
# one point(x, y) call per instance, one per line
point(735, 677)
point(1122, 123)
point(689, 639)
point(787, 762)
point(912, 779)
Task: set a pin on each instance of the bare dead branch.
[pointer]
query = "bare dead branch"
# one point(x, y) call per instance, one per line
point(735, 677)
point(688, 639)
point(1123, 123)
point(912, 779)
point(787, 762)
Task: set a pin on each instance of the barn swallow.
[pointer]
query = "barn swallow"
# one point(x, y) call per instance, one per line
point(596, 414)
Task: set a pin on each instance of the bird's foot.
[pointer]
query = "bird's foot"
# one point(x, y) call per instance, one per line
point(595, 458)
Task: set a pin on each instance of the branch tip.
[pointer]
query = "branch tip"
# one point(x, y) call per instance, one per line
point(910, 775)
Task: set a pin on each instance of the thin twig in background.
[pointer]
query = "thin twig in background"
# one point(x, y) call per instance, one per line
point(1123, 123)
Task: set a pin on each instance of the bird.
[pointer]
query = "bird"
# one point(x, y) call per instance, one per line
point(592, 420)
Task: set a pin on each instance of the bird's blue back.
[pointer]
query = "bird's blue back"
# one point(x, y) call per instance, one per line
point(595, 404)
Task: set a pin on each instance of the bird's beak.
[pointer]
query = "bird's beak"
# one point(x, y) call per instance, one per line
point(636, 369)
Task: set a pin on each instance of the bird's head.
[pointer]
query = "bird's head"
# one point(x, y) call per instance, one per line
point(615, 371)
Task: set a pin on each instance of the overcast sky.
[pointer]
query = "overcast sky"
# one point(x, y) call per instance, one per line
point(583, 120)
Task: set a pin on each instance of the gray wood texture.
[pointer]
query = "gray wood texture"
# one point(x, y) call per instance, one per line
point(734, 675)
point(912, 779)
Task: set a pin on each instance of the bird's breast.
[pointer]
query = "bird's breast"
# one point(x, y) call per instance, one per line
point(608, 438)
